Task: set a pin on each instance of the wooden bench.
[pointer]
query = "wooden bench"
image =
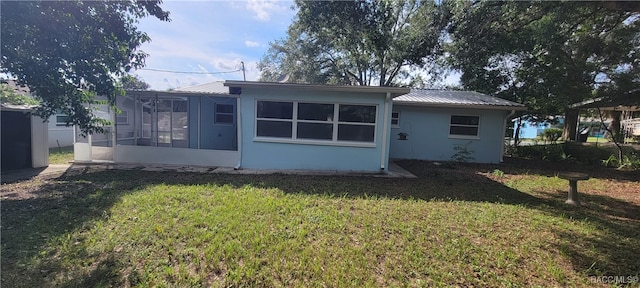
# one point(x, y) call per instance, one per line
point(573, 178)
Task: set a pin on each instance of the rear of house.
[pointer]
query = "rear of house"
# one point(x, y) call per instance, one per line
point(283, 126)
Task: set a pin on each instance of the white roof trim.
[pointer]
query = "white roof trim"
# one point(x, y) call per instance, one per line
point(395, 91)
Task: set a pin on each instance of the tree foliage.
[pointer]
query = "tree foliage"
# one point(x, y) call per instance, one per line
point(9, 96)
point(547, 55)
point(373, 42)
point(67, 52)
point(133, 82)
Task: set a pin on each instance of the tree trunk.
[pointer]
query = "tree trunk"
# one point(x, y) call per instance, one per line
point(516, 137)
point(615, 125)
point(570, 124)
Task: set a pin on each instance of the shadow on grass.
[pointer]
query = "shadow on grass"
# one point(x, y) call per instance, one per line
point(72, 202)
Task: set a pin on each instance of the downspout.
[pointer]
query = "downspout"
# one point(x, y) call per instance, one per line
point(504, 131)
point(239, 132)
point(385, 127)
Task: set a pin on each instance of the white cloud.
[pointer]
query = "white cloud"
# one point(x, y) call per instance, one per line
point(264, 8)
point(250, 43)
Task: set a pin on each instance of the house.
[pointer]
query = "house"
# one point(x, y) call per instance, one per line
point(261, 125)
point(531, 130)
point(24, 138)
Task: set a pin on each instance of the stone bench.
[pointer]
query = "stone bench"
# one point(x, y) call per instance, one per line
point(573, 178)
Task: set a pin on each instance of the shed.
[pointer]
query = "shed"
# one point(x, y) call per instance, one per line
point(24, 138)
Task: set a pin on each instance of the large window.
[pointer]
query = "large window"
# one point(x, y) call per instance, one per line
point(464, 126)
point(316, 121)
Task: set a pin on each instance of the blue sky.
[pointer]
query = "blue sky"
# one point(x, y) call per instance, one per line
point(211, 36)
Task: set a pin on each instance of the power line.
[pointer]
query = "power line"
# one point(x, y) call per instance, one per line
point(186, 72)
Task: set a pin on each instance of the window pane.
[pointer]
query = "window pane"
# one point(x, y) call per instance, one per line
point(315, 131)
point(394, 121)
point(465, 120)
point(164, 137)
point(224, 118)
point(180, 105)
point(280, 129)
point(462, 130)
point(224, 108)
point(357, 113)
point(276, 110)
point(360, 133)
point(122, 118)
point(313, 111)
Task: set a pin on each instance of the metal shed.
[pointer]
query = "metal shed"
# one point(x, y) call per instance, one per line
point(24, 138)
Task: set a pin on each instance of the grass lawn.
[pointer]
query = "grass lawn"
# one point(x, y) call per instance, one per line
point(62, 155)
point(457, 225)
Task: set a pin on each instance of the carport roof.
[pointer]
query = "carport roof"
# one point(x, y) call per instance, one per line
point(628, 102)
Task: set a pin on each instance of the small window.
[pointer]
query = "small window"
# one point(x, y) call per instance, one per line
point(61, 120)
point(395, 119)
point(224, 114)
point(464, 126)
point(122, 118)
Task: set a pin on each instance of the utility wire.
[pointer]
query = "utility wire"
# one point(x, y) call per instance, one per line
point(185, 72)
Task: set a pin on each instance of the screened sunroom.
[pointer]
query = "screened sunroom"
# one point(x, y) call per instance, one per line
point(166, 128)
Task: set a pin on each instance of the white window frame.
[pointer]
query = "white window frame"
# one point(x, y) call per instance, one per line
point(215, 115)
point(397, 119)
point(335, 121)
point(458, 136)
point(125, 114)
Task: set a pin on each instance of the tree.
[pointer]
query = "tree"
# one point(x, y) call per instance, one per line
point(67, 52)
point(133, 82)
point(8, 95)
point(547, 55)
point(371, 42)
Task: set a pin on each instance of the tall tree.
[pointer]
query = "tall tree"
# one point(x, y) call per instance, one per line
point(355, 42)
point(547, 55)
point(67, 52)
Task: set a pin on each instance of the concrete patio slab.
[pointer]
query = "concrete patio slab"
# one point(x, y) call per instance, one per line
point(57, 170)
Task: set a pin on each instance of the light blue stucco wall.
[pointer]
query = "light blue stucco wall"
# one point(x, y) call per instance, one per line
point(267, 155)
point(215, 135)
point(428, 134)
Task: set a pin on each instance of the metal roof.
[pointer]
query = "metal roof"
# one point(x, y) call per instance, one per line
point(211, 88)
point(625, 102)
point(453, 98)
point(11, 107)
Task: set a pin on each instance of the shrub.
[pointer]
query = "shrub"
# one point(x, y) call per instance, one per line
point(552, 134)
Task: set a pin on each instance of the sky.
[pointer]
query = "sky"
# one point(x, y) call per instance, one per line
point(211, 37)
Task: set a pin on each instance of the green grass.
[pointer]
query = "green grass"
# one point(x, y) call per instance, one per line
point(62, 155)
point(450, 227)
